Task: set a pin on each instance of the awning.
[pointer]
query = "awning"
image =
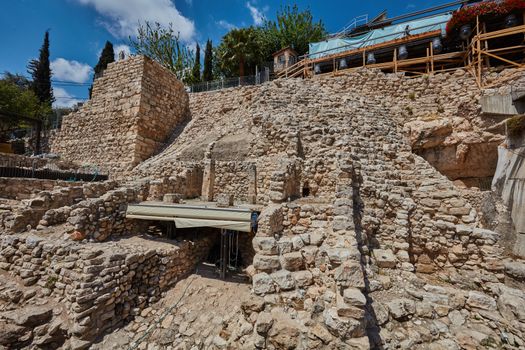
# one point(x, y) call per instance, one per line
point(186, 216)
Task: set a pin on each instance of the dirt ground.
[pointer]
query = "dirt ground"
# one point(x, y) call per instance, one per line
point(195, 314)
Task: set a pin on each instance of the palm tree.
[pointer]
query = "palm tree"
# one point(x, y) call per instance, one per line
point(239, 47)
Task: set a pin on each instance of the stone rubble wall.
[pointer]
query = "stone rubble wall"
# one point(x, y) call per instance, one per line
point(134, 108)
point(104, 217)
point(23, 188)
point(442, 116)
point(186, 181)
point(101, 285)
point(9, 159)
point(233, 178)
point(17, 160)
point(38, 211)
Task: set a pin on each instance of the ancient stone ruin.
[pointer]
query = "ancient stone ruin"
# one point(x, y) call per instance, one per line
point(376, 228)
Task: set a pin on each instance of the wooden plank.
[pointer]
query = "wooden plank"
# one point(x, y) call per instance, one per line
point(500, 58)
point(502, 32)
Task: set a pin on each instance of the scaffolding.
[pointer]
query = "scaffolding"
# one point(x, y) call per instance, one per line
point(477, 55)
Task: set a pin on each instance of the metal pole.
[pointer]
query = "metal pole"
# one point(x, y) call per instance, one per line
point(224, 250)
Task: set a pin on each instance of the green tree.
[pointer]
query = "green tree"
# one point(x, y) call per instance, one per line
point(106, 57)
point(239, 52)
point(40, 71)
point(18, 79)
point(207, 73)
point(196, 74)
point(18, 102)
point(293, 28)
point(161, 44)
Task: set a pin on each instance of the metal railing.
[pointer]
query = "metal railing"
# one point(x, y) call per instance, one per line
point(226, 83)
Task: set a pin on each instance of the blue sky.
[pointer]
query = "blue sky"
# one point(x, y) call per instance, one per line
point(79, 28)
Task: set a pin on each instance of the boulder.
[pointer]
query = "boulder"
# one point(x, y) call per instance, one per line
point(30, 316)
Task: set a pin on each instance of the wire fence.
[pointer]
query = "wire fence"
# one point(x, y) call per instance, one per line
point(41, 168)
point(226, 83)
point(50, 174)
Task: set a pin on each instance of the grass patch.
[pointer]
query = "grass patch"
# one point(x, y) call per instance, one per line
point(51, 281)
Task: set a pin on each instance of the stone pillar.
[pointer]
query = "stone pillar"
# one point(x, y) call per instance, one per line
point(252, 189)
point(208, 181)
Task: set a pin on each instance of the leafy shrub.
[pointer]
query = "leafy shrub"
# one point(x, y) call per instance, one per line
point(51, 281)
point(468, 14)
point(516, 125)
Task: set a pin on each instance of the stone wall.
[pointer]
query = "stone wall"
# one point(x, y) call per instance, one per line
point(101, 285)
point(22, 188)
point(135, 106)
point(235, 178)
point(185, 181)
point(48, 207)
point(16, 160)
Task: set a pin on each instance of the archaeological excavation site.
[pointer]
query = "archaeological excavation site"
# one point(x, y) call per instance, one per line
point(362, 208)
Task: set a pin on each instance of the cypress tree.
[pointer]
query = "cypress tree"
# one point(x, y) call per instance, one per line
point(197, 67)
point(207, 74)
point(106, 57)
point(40, 71)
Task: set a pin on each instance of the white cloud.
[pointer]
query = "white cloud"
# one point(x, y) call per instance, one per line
point(73, 71)
point(121, 18)
point(63, 98)
point(226, 25)
point(257, 14)
point(122, 47)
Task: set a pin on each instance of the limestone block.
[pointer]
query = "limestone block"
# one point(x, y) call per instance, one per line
point(342, 326)
point(385, 258)
point(283, 279)
point(265, 245)
point(266, 262)
point(354, 297)
point(401, 308)
point(172, 198)
point(224, 200)
point(292, 261)
point(481, 301)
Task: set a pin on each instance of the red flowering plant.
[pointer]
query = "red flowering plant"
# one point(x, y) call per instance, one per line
point(468, 14)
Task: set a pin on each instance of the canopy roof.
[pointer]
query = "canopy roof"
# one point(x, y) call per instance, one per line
point(186, 216)
point(379, 36)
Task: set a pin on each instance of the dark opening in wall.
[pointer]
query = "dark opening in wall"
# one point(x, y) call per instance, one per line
point(306, 189)
point(471, 165)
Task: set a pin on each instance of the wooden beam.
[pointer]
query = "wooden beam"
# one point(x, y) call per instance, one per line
point(386, 44)
point(500, 58)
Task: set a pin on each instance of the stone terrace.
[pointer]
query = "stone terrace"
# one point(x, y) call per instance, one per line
point(362, 243)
